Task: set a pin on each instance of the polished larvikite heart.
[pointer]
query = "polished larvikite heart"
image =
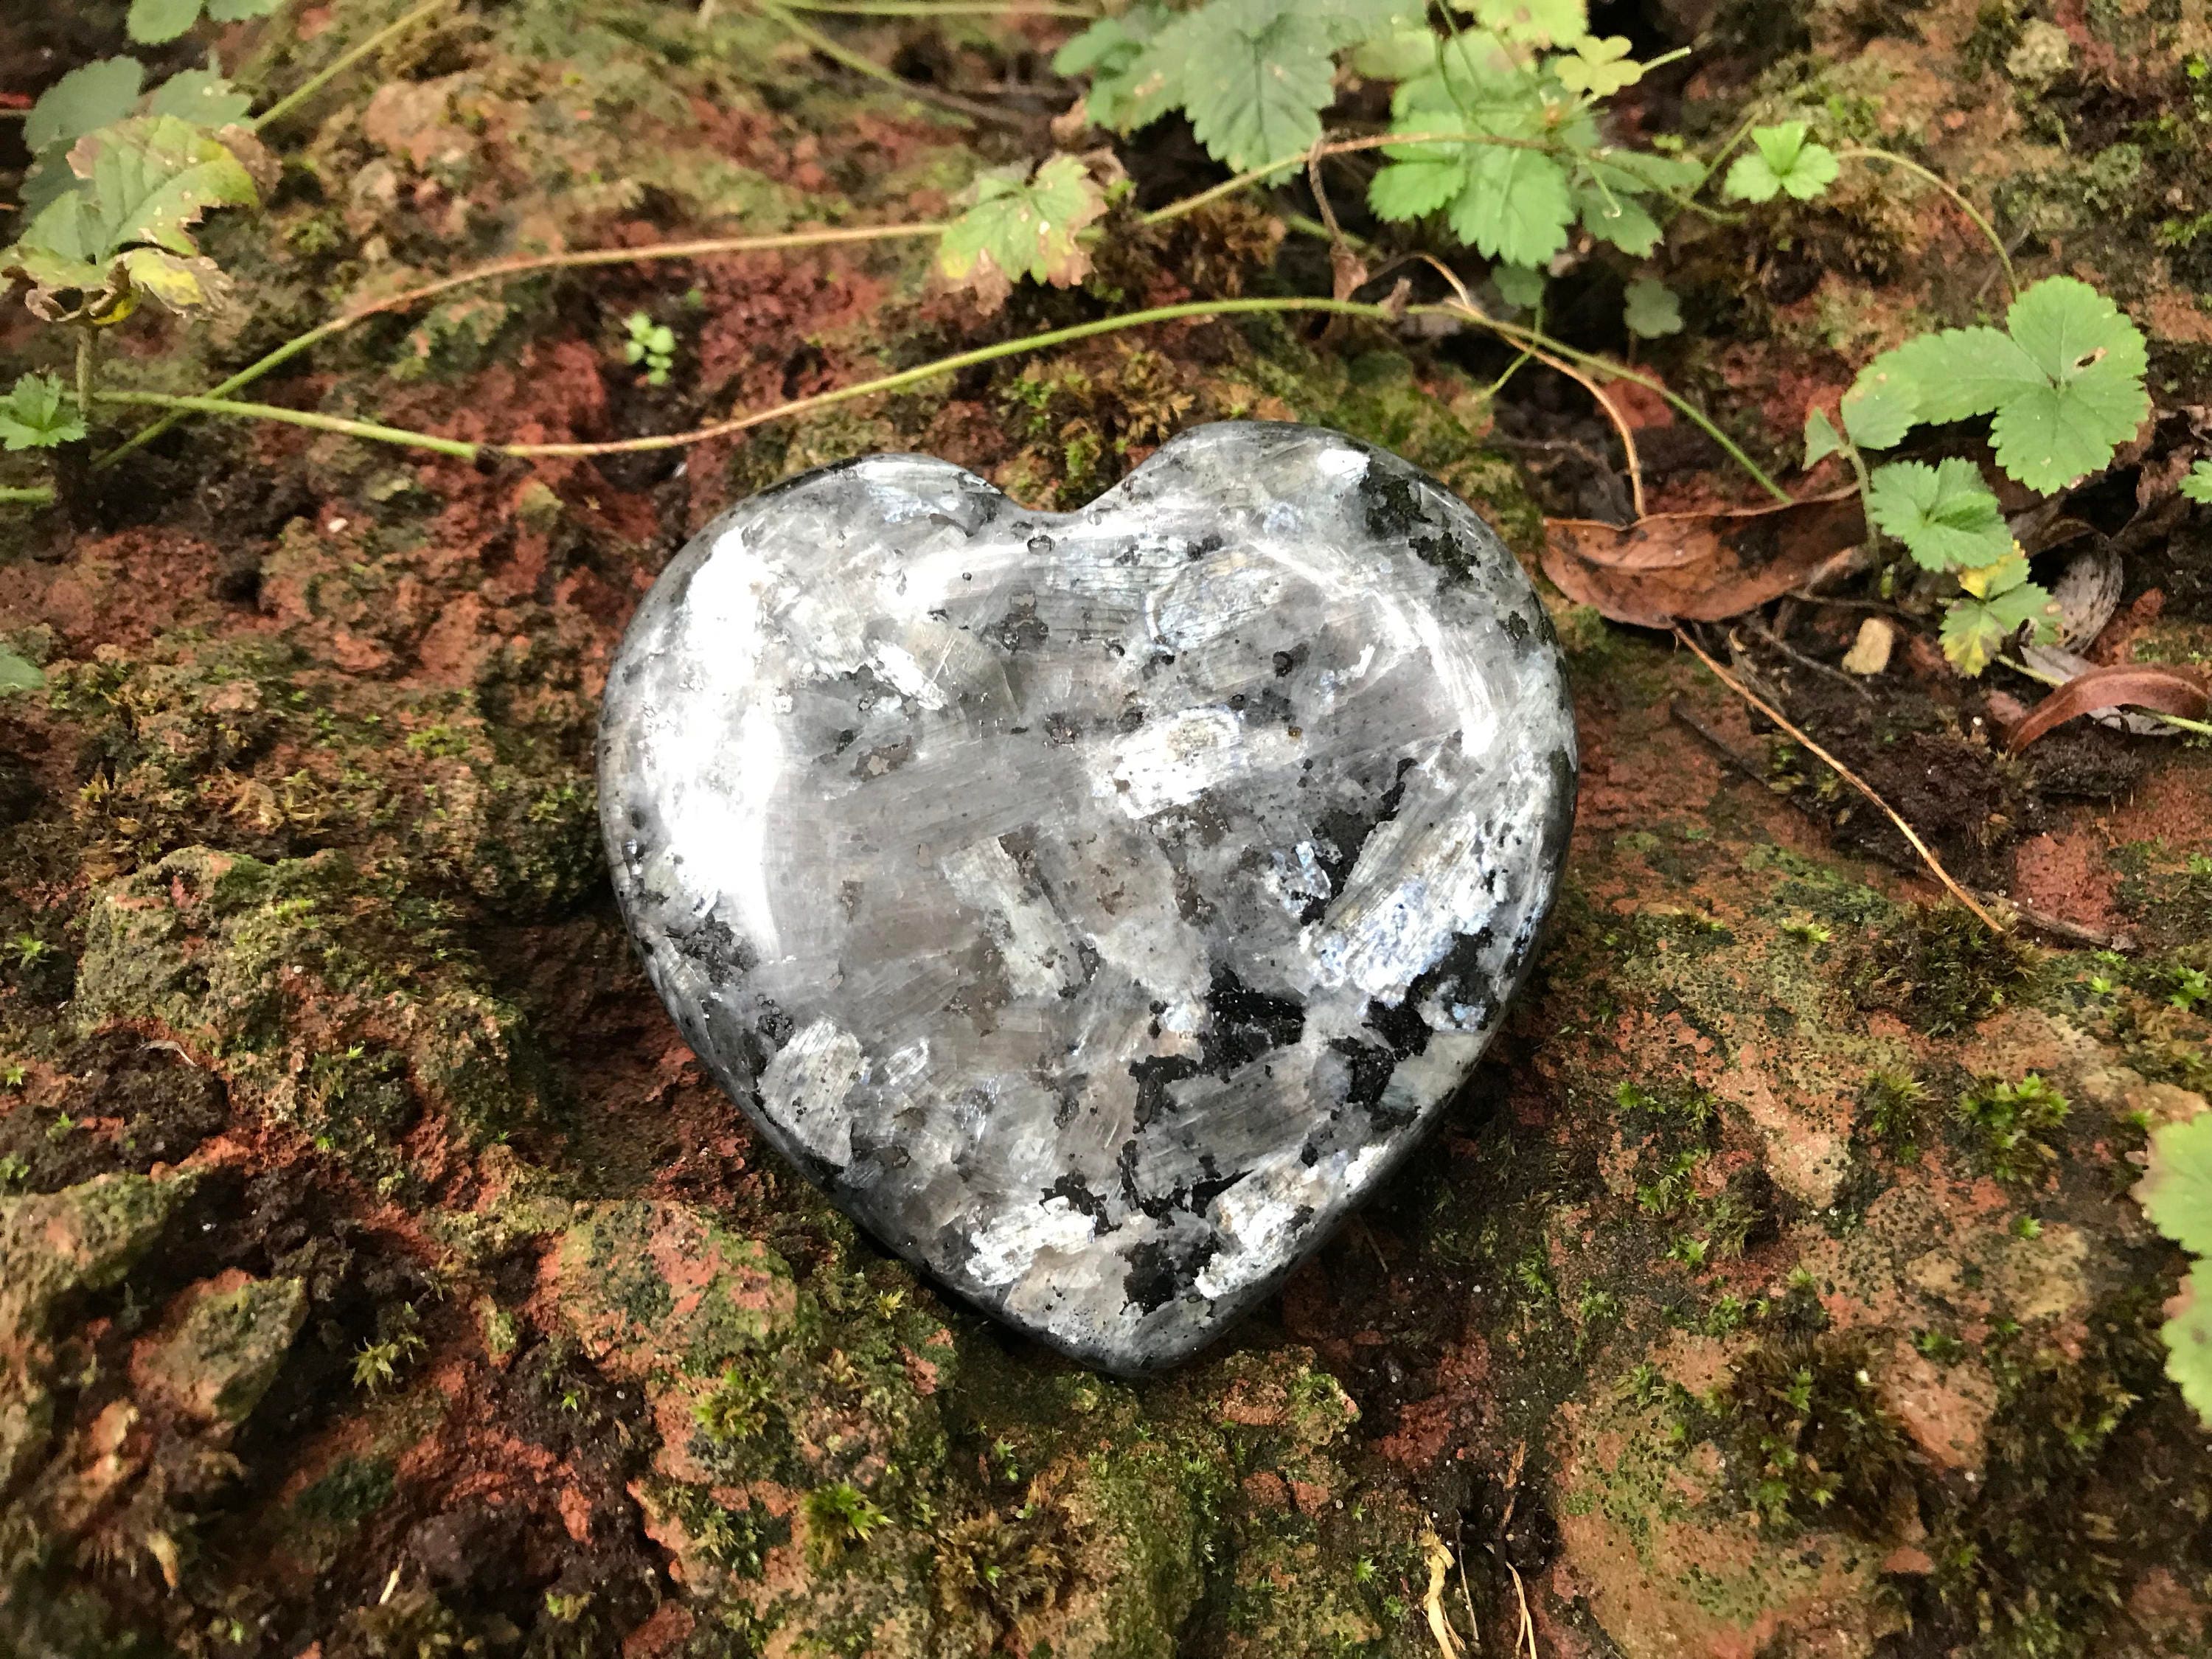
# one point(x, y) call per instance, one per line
point(1096, 904)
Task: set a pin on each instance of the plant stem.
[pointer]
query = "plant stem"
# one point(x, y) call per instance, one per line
point(1525, 336)
point(1857, 154)
point(87, 350)
point(518, 267)
point(861, 64)
point(314, 83)
point(368, 429)
point(934, 9)
point(28, 494)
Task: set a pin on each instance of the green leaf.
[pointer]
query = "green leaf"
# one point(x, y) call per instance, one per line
point(1653, 310)
point(1136, 75)
point(1351, 21)
point(152, 22)
point(1880, 408)
point(1532, 23)
point(1520, 287)
point(38, 414)
point(1620, 220)
point(1516, 206)
point(2188, 1338)
point(1256, 75)
point(1408, 189)
point(149, 179)
point(2091, 400)
point(2176, 1192)
point(1020, 228)
point(1961, 373)
point(200, 96)
point(1782, 159)
point(1600, 68)
point(1975, 630)
point(1944, 514)
point(2197, 485)
point(19, 673)
point(1821, 438)
point(83, 100)
point(1400, 55)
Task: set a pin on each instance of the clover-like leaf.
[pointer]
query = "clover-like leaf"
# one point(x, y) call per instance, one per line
point(1784, 160)
point(2176, 1192)
point(1022, 228)
point(152, 22)
point(1256, 75)
point(1821, 438)
point(2196, 485)
point(1653, 309)
point(1532, 23)
point(1976, 628)
point(1944, 514)
point(1619, 219)
point(1520, 287)
point(1600, 68)
point(38, 414)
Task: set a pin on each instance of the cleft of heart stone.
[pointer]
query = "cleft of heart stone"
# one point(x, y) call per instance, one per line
point(1097, 905)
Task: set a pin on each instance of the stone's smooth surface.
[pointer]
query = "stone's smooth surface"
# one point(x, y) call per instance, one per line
point(1096, 904)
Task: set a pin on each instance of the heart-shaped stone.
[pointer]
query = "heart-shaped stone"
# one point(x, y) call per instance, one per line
point(1096, 904)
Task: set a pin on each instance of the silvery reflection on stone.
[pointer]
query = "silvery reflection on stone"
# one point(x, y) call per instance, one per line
point(1096, 904)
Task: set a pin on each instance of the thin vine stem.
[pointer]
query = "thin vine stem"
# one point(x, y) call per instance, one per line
point(522, 266)
point(369, 429)
point(937, 8)
point(314, 83)
point(861, 64)
point(27, 495)
point(1855, 153)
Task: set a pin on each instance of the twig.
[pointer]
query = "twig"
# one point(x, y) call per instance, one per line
point(368, 429)
point(2041, 920)
point(1432, 1604)
point(1527, 1631)
point(1933, 864)
point(1803, 661)
point(314, 83)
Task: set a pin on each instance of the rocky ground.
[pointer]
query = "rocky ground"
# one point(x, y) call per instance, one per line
point(379, 1276)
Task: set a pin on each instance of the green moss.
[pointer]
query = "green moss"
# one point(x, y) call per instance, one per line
point(2011, 1126)
point(1942, 970)
point(355, 1489)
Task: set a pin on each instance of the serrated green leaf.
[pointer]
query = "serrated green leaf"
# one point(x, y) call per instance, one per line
point(2187, 1334)
point(1136, 72)
point(1257, 75)
point(1533, 23)
point(2176, 1192)
point(83, 100)
point(1400, 55)
point(2089, 360)
point(152, 22)
point(1975, 630)
point(2197, 485)
point(1880, 406)
point(38, 414)
point(1351, 21)
point(148, 179)
point(1963, 372)
point(1639, 169)
point(1652, 309)
point(1821, 438)
point(1407, 190)
point(2071, 331)
point(1783, 159)
point(1944, 514)
point(200, 96)
point(1516, 206)
point(1022, 228)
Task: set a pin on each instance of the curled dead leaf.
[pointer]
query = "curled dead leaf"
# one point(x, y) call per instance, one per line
point(2168, 690)
point(1700, 567)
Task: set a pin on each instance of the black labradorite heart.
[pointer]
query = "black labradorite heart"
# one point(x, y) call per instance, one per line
point(1096, 904)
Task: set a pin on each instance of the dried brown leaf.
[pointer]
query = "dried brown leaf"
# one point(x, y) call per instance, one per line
point(1699, 567)
point(2168, 690)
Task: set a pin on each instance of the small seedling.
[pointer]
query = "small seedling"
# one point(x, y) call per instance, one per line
point(2010, 1120)
point(651, 343)
point(2191, 987)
